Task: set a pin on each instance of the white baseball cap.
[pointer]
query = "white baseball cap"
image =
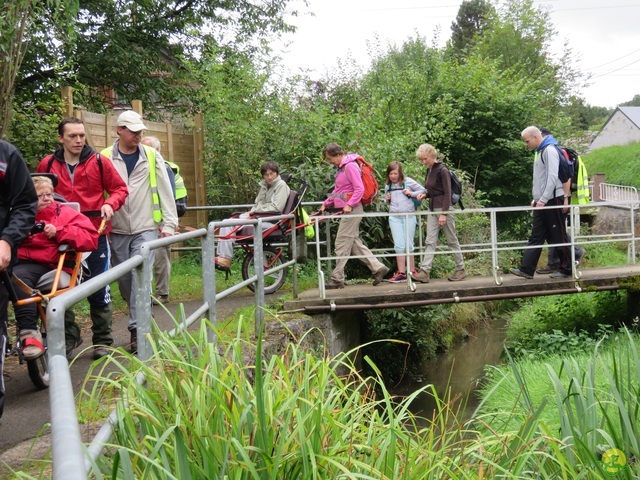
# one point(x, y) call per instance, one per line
point(131, 120)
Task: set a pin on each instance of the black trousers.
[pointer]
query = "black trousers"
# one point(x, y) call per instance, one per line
point(548, 226)
point(4, 320)
point(29, 273)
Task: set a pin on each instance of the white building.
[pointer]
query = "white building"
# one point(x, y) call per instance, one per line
point(622, 128)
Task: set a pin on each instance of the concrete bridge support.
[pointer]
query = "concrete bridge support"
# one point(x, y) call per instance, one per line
point(329, 333)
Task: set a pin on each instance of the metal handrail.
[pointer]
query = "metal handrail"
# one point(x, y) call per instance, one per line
point(69, 462)
point(494, 246)
point(620, 193)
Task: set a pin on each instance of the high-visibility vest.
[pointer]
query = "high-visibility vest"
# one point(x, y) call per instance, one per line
point(581, 195)
point(181, 190)
point(153, 180)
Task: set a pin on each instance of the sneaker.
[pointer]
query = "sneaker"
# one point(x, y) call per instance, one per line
point(458, 275)
point(520, 273)
point(398, 278)
point(32, 346)
point(133, 346)
point(100, 351)
point(380, 274)
point(547, 269)
point(71, 346)
point(560, 274)
point(421, 276)
point(333, 285)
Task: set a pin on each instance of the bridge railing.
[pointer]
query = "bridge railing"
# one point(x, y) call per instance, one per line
point(68, 453)
point(620, 193)
point(495, 243)
point(70, 461)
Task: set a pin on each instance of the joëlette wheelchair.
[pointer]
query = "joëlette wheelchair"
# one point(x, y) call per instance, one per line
point(275, 238)
point(51, 284)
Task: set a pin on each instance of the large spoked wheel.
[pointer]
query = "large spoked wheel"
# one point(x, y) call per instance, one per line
point(39, 371)
point(273, 281)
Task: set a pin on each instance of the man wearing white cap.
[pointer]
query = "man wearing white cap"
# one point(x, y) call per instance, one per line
point(149, 209)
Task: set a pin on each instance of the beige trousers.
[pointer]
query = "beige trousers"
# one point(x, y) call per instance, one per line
point(348, 243)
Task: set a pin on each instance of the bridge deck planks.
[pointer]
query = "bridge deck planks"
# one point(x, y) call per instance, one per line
point(470, 289)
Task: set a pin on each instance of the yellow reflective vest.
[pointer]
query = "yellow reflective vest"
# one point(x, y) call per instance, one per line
point(181, 190)
point(581, 195)
point(153, 180)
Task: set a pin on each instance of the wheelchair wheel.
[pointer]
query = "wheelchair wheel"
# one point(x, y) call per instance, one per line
point(39, 371)
point(273, 282)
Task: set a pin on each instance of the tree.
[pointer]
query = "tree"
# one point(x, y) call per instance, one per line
point(634, 102)
point(474, 17)
point(18, 24)
point(140, 49)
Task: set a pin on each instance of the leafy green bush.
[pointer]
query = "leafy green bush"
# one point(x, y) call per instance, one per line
point(585, 312)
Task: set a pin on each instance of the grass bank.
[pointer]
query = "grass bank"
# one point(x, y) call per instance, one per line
point(205, 413)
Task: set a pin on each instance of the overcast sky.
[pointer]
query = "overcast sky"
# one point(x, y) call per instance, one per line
point(604, 36)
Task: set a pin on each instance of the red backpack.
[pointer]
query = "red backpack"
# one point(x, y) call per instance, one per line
point(368, 180)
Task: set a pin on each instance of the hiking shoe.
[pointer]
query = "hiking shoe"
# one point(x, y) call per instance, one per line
point(133, 345)
point(398, 278)
point(71, 345)
point(520, 273)
point(421, 276)
point(161, 299)
point(560, 274)
point(547, 269)
point(458, 275)
point(31, 341)
point(100, 351)
point(222, 262)
point(380, 274)
point(333, 285)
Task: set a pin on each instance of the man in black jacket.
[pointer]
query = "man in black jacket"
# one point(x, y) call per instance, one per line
point(18, 201)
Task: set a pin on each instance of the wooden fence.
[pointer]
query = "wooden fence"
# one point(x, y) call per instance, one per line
point(180, 144)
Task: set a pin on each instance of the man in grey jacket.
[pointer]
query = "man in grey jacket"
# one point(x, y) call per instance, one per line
point(149, 210)
point(548, 223)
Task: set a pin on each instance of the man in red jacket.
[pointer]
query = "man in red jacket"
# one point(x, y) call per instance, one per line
point(84, 176)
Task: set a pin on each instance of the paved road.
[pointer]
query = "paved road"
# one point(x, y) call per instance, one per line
point(27, 409)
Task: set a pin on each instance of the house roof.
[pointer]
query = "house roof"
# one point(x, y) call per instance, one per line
point(632, 113)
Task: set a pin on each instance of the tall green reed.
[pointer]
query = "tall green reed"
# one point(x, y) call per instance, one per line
point(225, 411)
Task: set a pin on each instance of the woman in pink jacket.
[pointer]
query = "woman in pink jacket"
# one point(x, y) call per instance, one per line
point(38, 254)
point(346, 196)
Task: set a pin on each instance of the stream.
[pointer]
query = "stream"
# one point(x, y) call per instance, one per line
point(461, 368)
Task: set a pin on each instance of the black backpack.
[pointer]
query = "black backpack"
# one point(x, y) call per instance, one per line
point(573, 158)
point(567, 168)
